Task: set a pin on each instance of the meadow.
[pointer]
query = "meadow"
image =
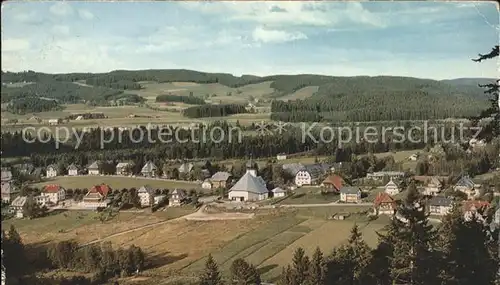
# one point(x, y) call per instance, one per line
point(179, 248)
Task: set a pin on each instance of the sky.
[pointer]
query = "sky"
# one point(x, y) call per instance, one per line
point(420, 39)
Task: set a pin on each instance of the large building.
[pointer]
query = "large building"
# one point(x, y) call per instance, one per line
point(9, 192)
point(55, 193)
point(250, 187)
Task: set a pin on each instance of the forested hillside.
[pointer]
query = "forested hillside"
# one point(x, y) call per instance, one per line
point(359, 98)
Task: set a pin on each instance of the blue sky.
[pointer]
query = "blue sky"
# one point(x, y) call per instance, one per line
point(420, 39)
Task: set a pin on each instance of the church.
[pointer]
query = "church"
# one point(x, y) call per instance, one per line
point(250, 187)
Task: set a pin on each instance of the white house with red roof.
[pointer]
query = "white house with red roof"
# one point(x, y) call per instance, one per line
point(54, 192)
point(97, 196)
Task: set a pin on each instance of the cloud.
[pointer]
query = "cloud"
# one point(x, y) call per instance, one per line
point(85, 14)
point(61, 9)
point(276, 36)
point(15, 45)
point(60, 30)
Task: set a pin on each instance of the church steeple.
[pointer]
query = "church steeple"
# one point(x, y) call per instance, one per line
point(251, 167)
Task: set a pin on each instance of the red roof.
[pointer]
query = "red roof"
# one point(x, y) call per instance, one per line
point(337, 181)
point(383, 198)
point(468, 205)
point(52, 188)
point(102, 189)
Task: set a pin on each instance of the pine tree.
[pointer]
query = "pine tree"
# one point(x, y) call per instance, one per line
point(300, 265)
point(211, 275)
point(287, 277)
point(243, 273)
point(317, 269)
point(491, 130)
point(413, 244)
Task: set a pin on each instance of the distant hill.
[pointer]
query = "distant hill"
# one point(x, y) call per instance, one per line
point(469, 81)
point(340, 98)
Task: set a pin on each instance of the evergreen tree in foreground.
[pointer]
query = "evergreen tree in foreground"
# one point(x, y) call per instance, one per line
point(211, 275)
point(492, 130)
point(243, 273)
point(317, 269)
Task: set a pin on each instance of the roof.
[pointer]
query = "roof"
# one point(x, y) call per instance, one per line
point(278, 190)
point(334, 179)
point(19, 201)
point(123, 164)
point(102, 189)
point(250, 183)
point(388, 173)
point(465, 181)
point(7, 188)
point(52, 188)
point(94, 165)
point(148, 167)
point(391, 184)
point(293, 168)
point(434, 181)
point(349, 190)
point(52, 166)
point(440, 201)
point(474, 205)
point(73, 167)
point(146, 189)
point(221, 176)
point(180, 192)
point(6, 175)
point(383, 198)
point(185, 167)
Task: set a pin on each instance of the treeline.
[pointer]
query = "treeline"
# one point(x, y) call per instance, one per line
point(214, 110)
point(25, 105)
point(64, 92)
point(377, 106)
point(101, 260)
point(183, 99)
point(409, 251)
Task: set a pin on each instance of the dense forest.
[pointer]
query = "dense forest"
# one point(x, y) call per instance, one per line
point(214, 110)
point(25, 105)
point(183, 99)
point(383, 98)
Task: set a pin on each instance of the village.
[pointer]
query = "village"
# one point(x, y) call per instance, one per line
point(380, 191)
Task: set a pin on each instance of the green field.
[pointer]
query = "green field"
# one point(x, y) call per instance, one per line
point(74, 182)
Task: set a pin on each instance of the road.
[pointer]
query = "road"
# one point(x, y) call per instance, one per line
point(333, 204)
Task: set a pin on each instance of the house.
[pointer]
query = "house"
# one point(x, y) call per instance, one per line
point(392, 188)
point(42, 200)
point(433, 186)
point(24, 168)
point(185, 168)
point(349, 194)
point(54, 122)
point(146, 193)
point(292, 168)
point(381, 174)
point(384, 204)
point(94, 168)
point(17, 206)
point(440, 205)
point(474, 209)
point(149, 169)
point(309, 174)
point(477, 143)
point(124, 168)
point(278, 192)
point(206, 184)
point(467, 186)
point(413, 157)
point(51, 171)
point(250, 187)
point(333, 182)
point(97, 197)
point(177, 197)
point(9, 192)
point(281, 156)
point(73, 170)
point(55, 193)
point(220, 179)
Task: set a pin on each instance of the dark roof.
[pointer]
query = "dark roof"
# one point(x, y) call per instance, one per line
point(440, 201)
point(349, 190)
